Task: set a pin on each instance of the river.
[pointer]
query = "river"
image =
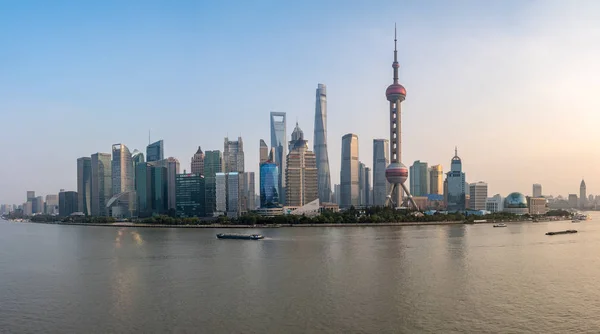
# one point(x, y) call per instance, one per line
point(414, 279)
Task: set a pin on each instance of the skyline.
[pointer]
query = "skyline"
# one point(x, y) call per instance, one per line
point(116, 100)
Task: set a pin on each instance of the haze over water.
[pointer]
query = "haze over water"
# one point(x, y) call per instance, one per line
point(431, 279)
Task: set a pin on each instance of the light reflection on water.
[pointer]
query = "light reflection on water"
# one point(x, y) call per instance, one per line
point(436, 279)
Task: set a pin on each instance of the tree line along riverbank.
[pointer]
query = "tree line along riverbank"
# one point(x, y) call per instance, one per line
point(352, 216)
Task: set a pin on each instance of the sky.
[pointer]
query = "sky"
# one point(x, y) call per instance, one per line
point(512, 83)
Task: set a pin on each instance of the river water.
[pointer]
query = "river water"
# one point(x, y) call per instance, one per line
point(419, 279)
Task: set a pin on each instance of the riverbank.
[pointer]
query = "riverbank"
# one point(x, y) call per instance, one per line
point(124, 224)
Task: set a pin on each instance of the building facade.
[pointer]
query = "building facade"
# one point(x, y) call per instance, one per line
point(436, 180)
point(537, 190)
point(368, 189)
point(233, 155)
point(151, 190)
point(279, 144)
point(320, 145)
point(122, 170)
point(213, 164)
point(301, 173)
point(264, 152)
point(381, 160)
point(419, 178)
point(537, 206)
point(67, 203)
point(197, 165)
point(84, 185)
point(269, 185)
point(582, 195)
point(478, 196)
point(155, 151)
point(455, 185)
point(221, 193)
point(573, 201)
point(494, 204)
point(190, 194)
point(349, 173)
point(101, 183)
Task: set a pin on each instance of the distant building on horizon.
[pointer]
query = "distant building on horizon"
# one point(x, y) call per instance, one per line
point(101, 183)
point(301, 175)
point(349, 171)
point(67, 203)
point(436, 180)
point(122, 204)
point(582, 194)
point(84, 185)
point(279, 144)
point(478, 196)
point(381, 160)
point(173, 168)
point(213, 164)
point(190, 194)
point(263, 152)
point(233, 155)
point(362, 184)
point(155, 151)
point(368, 190)
point(151, 190)
point(320, 144)
point(573, 201)
point(197, 165)
point(455, 193)
point(419, 178)
point(537, 190)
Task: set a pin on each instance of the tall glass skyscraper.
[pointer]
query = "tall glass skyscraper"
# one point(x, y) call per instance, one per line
point(233, 155)
point(122, 170)
point(381, 160)
point(151, 189)
point(269, 181)
point(320, 144)
point(419, 178)
point(190, 195)
point(213, 164)
point(349, 172)
point(84, 185)
point(101, 183)
point(279, 144)
point(455, 185)
point(155, 151)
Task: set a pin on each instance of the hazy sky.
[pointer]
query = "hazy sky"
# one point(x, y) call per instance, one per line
point(512, 83)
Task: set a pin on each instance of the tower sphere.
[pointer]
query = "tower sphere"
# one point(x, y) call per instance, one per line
point(395, 92)
point(396, 173)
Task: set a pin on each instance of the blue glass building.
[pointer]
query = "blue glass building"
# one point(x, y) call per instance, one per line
point(455, 180)
point(190, 194)
point(269, 184)
point(155, 151)
point(151, 189)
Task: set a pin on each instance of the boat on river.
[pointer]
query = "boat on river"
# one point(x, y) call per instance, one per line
point(500, 225)
point(240, 236)
point(561, 232)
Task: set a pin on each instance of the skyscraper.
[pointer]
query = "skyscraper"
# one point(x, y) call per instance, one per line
point(301, 172)
point(455, 184)
point(67, 203)
point(436, 180)
point(368, 199)
point(269, 181)
point(213, 164)
point(250, 191)
point(320, 144)
point(101, 183)
point(122, 170)
point(151, 189)
point(537, 190)
point(172, 165)
point(278, 142)
point(396, 173)
point(220, 193)
point(234, 205)
point(198, 162)
point(419, 178)
point(582, 194)
point(190, 195)
point(381, 159)
point(155, 151)
point(264, 152)
point(362, 196)
point(233, 155)
point(349, 171)
point(84, 185)
point(478, 195)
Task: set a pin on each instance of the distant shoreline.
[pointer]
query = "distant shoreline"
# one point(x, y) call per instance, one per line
point(277, 226)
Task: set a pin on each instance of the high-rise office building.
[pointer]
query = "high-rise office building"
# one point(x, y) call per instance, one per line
point(337, 193)
point(264, 152)
point(436, 180)
point(151, 189)
point(213, 164)
point(220, 193)
point(368, 190)
point(381, 187)
point(101, 183)
point(362, 185)
point(51, 207)
point(84, 185)
point(122, 170)
point(320, 144)
point(455, 184)
point(301, 172)
point(155, 151)
point(478, 195)
point(67, 203)
point(419, 178)
point(269, 185)
point(233, 155)
point(39, 205)
point(582, 194)
point(172, 166)
point(30, 195)
point(249, 191)
point(137, 158)
point(573, 201)
point(198, 162)
point(279, 144)
point(349, 171)
point(190, 195)
point(234, 205)
point(537, 190)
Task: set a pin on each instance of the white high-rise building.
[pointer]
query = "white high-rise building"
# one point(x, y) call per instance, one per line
point(537, 190)
point(478, 195)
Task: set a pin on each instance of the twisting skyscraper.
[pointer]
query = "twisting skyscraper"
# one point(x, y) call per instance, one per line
point(320, 144)
point(396, 173)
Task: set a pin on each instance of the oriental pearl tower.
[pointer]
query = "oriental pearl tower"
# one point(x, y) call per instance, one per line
point(396, 173)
